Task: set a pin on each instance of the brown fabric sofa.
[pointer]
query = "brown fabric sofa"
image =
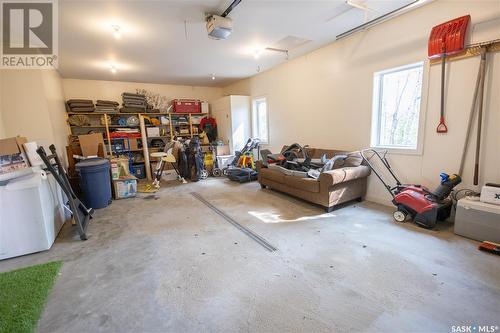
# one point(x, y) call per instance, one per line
point(347, 181)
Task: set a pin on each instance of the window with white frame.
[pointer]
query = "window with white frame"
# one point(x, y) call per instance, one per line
point(397, 96)
point(260, 123)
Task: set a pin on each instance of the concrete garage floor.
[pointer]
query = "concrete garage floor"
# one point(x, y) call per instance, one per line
point(173, 265)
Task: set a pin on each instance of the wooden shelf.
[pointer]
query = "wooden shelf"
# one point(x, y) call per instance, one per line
point(109, 126)
point(132, 113)
point(193, 114)
point(87, 126)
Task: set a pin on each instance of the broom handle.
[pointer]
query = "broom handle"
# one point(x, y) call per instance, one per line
point(471, 117)
point(480, 119)
point(443, 71)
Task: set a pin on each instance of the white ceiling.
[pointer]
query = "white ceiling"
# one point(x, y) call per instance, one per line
point(154, 48)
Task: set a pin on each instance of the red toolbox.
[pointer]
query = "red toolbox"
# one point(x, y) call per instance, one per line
point(186, 106)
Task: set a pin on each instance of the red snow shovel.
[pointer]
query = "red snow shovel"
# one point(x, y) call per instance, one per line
point(446, 39)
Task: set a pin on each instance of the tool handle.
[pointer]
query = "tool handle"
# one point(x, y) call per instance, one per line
point(442, 128)
point(476, 174)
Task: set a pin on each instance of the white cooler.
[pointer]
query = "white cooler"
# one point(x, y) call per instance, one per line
point(478, 220)
point(31, 214)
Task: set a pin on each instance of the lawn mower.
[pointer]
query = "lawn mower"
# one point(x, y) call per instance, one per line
point(424, 206)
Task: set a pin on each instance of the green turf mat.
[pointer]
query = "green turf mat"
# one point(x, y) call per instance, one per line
point(23, 294)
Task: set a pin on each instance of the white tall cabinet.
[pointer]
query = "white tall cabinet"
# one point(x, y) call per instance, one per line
point(233, 120)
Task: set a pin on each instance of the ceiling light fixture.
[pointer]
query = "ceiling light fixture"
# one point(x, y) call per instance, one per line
point(113, 69)
point(116, 31)
point(257, 53)
point(213, 77)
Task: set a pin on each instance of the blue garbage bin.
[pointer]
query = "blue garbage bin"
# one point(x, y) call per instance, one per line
point(95, 182)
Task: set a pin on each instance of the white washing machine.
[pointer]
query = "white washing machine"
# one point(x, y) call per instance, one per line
point(31, 214)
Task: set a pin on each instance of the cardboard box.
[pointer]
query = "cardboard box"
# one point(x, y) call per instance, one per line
point(134, 143)
point(119, 168)
point(125, 187)
point(12, 154)
point(153, 131)
point(90, 143)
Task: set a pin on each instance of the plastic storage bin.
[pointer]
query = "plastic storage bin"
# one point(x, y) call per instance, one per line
point(478, 220)
point(139, 171)
point(223, 161)
point(95, 182)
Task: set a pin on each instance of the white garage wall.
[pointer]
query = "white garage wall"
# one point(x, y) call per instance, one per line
point(2, 127)
point(112, 90)
point(324, 98)
point(32, 106)
point(52, 83)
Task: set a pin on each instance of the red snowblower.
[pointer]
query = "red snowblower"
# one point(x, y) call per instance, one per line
point(425, 207)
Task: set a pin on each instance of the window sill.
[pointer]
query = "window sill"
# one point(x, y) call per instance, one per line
point(400, 151)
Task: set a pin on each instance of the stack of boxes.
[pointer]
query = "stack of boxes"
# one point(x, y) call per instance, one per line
point(124, 184)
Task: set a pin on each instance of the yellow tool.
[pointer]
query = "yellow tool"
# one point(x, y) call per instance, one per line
point(245, 160)
point(152, 121)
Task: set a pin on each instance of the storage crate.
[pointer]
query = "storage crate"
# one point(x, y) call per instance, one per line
point(186, 106)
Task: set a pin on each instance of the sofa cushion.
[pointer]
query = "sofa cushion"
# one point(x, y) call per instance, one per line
point(273, 175)
point(353, 159)
point(345, 174)
point(318, 153)
point(304, 184)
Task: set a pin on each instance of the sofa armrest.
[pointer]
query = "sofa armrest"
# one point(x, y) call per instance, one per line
point(258, 165)
point(342, 175)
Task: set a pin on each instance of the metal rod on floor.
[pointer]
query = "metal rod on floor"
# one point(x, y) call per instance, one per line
point(243, 229)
